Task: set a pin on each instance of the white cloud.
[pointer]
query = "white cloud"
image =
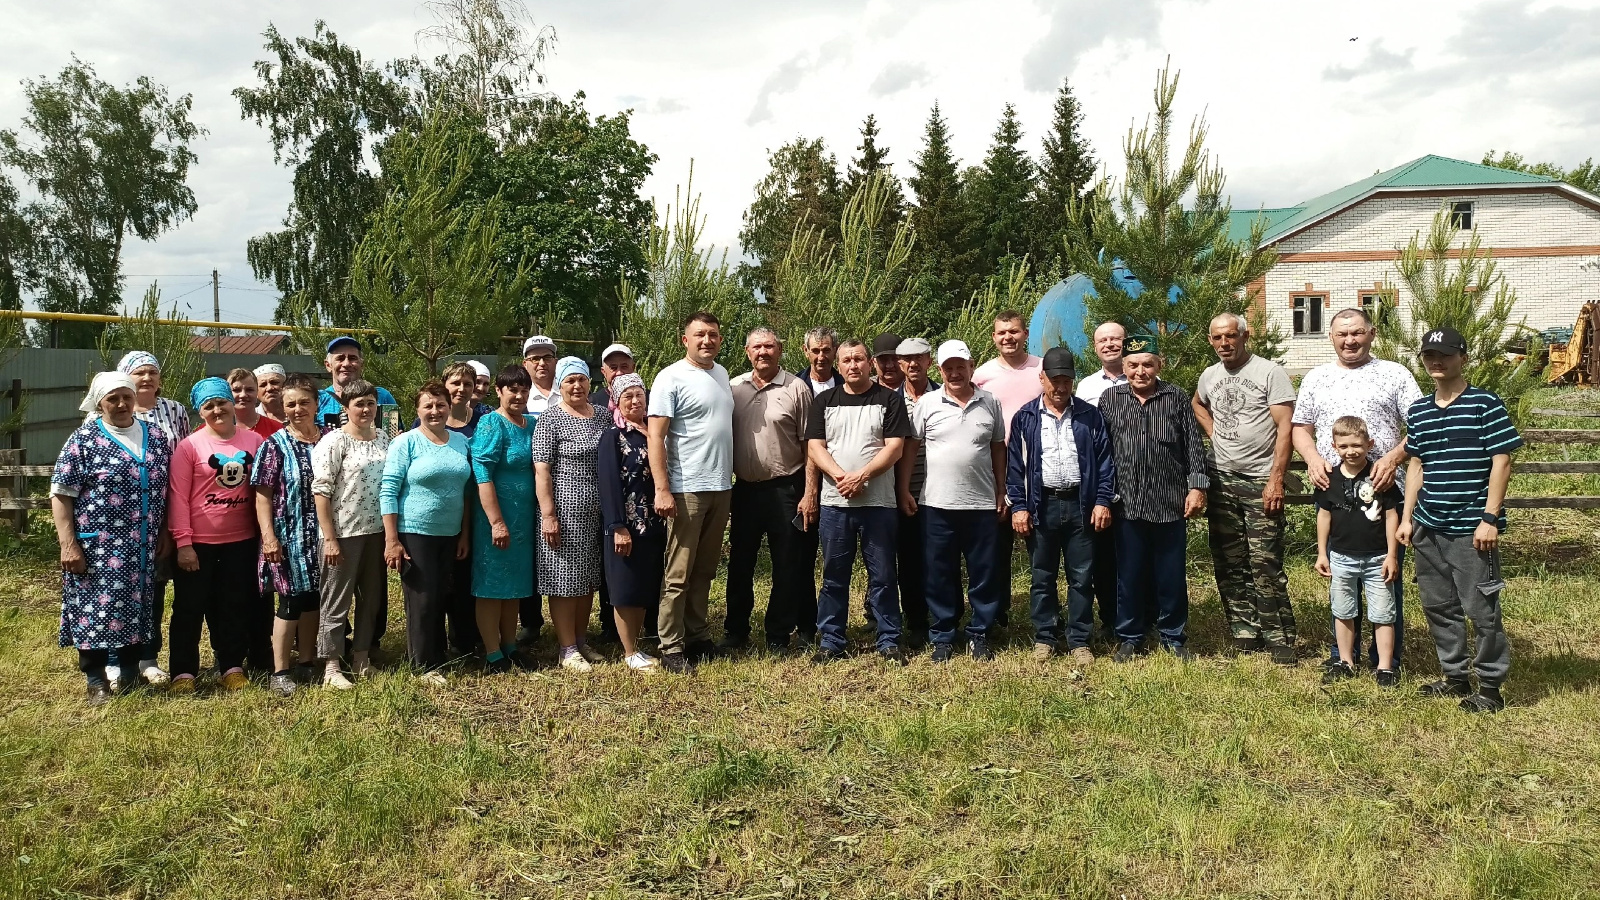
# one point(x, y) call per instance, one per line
point(721, 83)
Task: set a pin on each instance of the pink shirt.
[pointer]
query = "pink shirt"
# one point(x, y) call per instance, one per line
point(210, 500)
point(1012, 387)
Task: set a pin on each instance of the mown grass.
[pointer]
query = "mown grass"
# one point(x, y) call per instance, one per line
point(767, 777)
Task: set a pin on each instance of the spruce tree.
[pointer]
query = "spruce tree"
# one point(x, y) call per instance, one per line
point(943, 256)
point(1143, 223)
point(1002, 197)
point(802, 188)
point(1066, 171)
point(874, 159)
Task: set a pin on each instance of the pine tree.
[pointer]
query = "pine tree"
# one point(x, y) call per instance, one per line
point(1468, 293)
point(1066, 171)
point(801, 188)
point(944, 258)
point(1143, 223)
point(874, 159)
point(1002, 197)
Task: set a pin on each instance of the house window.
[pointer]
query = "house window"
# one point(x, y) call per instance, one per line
point(1308, 312)
point(1461, 214)
point(1376, 304)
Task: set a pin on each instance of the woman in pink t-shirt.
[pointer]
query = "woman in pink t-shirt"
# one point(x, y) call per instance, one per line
point(211, 514)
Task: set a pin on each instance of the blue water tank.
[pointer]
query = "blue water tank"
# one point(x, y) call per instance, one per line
point(1058, 320)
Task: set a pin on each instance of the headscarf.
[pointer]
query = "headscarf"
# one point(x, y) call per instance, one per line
point(568, 366)
point(479, 369)
point(103, 384)
point(212, 388)
point(620, 386)
point(263, 371)
point(137, 359)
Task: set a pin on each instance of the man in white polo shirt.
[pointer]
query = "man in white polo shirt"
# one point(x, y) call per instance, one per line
point(963, 431)
point(539, 358)
point(1108, 340)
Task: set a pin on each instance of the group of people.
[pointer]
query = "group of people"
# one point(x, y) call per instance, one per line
point(282, 510)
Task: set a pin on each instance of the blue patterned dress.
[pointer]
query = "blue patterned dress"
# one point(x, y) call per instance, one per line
point(284, 464)
point(502, 454)
point(119, 512)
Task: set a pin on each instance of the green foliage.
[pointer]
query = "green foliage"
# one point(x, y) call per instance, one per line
point(857, 286)
point(494, 58)
point(1143, 223)
point(16, 245)
point(1066, 171)
point(105, 163)
point(181, 364)
point(1585, 175)
point(1001, 197)
point(681, 278)
point(1467, 293)
point(323, 106)
point(1008, 289)
point(945, 258)
point(874, 160)
point(800, 190)
point(429, 272)
point(573, 215)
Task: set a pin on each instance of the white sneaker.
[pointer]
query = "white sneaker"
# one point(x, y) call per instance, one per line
point(573, 660)
point(591, 654)
point(335, 679)
point(114, 677)
point(433, 679)
point(152, 673)
point(640, 662)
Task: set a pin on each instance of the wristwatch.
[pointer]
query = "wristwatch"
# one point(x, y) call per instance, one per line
point(1491, 518)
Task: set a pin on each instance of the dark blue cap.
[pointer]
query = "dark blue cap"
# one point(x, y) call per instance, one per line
point(343, 339)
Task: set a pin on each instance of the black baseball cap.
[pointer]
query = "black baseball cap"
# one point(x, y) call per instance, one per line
point(886, 344)
point(1444, 338)
point(1059, 361)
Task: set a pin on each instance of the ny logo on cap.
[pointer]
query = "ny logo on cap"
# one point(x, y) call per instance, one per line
point(1434, 336)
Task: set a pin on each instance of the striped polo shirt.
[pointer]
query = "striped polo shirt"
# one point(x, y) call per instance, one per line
point(1457, 445)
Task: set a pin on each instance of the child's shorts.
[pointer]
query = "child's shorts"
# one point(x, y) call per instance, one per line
point(1354, 576)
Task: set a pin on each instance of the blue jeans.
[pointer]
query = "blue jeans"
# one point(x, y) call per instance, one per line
point(1059, 535)
point(1353, 576)
point(1397, 590)
point(949, 535)
point(1152, 585)
point(875, 527)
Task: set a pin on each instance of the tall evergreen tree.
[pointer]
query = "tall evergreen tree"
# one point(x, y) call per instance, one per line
point(943, 255)
point(802, 188)
point(1002, 197)
point(1066, 171)
point(1144, 224)
point(874, 159)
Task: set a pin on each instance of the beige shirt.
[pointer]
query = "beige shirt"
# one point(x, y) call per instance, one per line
point(769, 426)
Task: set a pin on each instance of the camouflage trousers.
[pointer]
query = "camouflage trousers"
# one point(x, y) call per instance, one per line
point(1247, 551)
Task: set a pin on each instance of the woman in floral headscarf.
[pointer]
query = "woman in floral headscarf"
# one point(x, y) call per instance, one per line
point(108, 498)
point(633, 537)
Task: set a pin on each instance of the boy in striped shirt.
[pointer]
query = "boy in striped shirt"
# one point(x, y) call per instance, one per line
point(1460, 441)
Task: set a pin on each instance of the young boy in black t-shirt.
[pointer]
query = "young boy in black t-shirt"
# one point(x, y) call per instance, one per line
point(1358, 550)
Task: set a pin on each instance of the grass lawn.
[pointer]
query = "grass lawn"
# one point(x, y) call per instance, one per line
point(769, 778)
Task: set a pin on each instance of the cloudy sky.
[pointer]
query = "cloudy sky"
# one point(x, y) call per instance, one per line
point(1300, 98)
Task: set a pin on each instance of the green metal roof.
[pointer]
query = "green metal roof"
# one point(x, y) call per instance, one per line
point(1423, 172)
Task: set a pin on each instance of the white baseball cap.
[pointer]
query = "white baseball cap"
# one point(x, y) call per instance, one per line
point(953, 350)
point(538, 340)
point(616, 348)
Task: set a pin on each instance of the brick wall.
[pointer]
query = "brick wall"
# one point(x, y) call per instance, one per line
point(1549, 288)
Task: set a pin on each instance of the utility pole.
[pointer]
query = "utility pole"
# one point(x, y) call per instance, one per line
point(216, 313)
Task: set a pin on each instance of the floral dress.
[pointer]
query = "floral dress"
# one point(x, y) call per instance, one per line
point(284, 464)
point(567, 443)
point(119, 511)
point(627, 501)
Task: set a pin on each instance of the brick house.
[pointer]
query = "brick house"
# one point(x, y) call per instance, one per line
point(1339, 250)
